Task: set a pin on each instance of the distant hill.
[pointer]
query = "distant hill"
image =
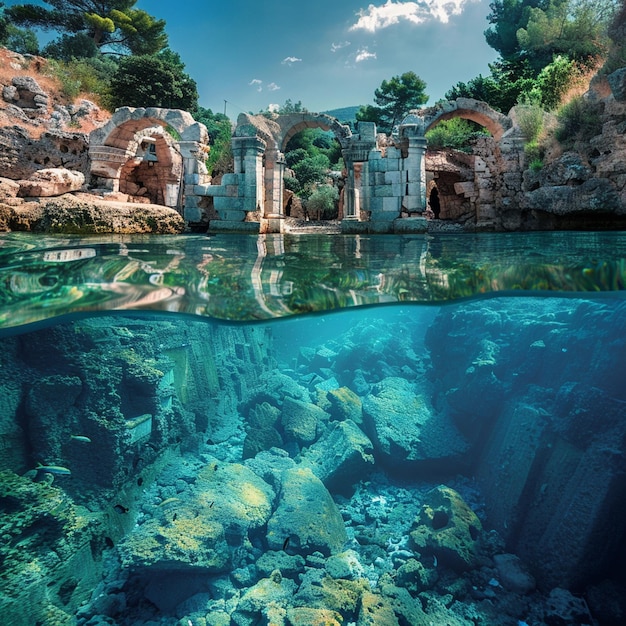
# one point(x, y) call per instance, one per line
point(346, 114)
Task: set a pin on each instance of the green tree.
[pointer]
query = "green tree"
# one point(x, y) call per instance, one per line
point(322, 202)
point(22, 40)
point(113, 26)
point(395, 98)
point(220, 135)
point(153, 80)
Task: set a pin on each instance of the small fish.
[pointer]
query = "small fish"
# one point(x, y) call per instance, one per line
point(212, 503)
point(285, 544)
point(174, 517)
point(120, 508)
point(57, 470)
point(139, 481)
point(168, 501)
point(81, 438)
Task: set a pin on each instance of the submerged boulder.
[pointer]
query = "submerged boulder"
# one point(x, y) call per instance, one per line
point(447, 529)
point(306, 518)
point(405, 428)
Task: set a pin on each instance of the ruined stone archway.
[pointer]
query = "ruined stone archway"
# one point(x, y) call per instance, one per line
point(469, 186)
point(149, 154)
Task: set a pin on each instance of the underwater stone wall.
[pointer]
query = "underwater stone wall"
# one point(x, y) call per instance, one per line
point(536, 390)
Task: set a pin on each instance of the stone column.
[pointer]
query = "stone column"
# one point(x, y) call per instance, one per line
point(414, 169)
point(194, 172)
point(274, 172)
point(248, 153)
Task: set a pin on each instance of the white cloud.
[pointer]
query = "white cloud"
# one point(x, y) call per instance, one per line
point(273, 87)
point(255, 82)
point(290, 60)
point(274, 108)
point(338, 46)
point(363, 55)
point(374, 18)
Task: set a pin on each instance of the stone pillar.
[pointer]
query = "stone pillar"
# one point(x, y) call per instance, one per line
point(414, 169)
point(194, 173)
point(249, 151)
point(274, 172)
point(355, 153)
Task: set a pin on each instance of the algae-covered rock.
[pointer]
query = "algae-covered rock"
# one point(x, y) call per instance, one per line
point(345, 405)
point(306, 518)
point(319, 590)
point(341, 456)
point(269, 596)
point(376, 611)
point(305, 616)
point(47, 565)
point(189, 541)
point(447, 529)
point(227, 498)
point(301, 420)
point(405, 428)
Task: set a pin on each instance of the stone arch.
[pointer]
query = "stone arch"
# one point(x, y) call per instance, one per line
point(293, 123)
point(480, 112)
point(119, 151)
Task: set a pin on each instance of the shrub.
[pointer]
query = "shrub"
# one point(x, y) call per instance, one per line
point(530, 120)
point(457, 133)
point(322, 202)
point(578, 120)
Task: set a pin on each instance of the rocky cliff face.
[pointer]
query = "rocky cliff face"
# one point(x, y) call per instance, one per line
point(583, 181)
point(39, 128)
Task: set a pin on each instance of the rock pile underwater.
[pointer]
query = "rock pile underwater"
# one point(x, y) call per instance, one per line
point(403, 465)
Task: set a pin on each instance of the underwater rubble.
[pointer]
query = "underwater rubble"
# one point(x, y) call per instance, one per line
point(461, 465)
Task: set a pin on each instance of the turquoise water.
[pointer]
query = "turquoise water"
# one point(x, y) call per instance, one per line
point(313, 430)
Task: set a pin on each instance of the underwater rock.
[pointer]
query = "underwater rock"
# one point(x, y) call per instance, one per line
point(415, 577)
point(340, 457)
point(289, 565)
point(565, 609)
point(261, 432)
point(345, 565)
point(306, 516)
point(302, 420)
point(512, 575)
point(319, 590)
point(405, 428)
point(269, 595)
point(48, 568)
point(345, 405)
point(227, 499)
point(447, 529)
point(376, 611)
point(305, 616)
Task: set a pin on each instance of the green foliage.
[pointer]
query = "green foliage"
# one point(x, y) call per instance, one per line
point(394, 99)
point(530, 121)
point(534, 154)
point(113, 26)
point(310, 171)
point(501, 90)
point(22, 40)
point(68, 47)
point(456, 133)
point(554, 81)
point(322, 202)
point(153, 80)
point(578, 121)
point(220, 136)
point(617, 34)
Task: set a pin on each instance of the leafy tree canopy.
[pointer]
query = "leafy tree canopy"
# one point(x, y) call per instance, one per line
point(22, 40)
point(112, 26)
point(154, 80)
point(394, 99)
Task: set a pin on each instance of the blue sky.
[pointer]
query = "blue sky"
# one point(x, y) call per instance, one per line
point(325, 53)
